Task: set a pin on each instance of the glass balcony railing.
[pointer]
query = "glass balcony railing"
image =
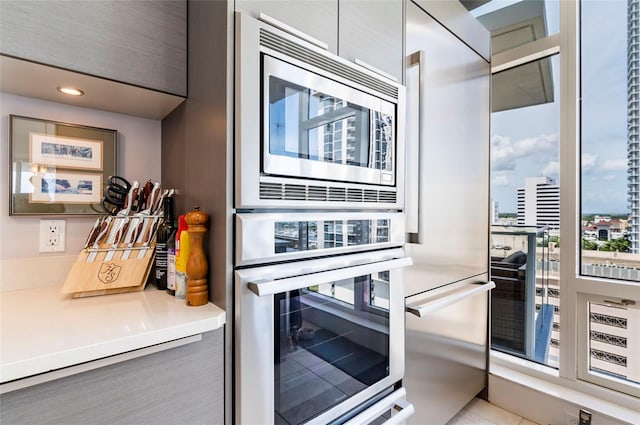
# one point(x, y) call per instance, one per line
point(525, 302)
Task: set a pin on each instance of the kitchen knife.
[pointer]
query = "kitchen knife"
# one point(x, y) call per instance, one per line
point(122, 216)
point(149, 236)
point(117, 239)
point(139, 219)
point(135, 227)
point(91, 237)
point(103, 232)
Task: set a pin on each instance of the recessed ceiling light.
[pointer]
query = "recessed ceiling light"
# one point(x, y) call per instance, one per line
point(71, 91)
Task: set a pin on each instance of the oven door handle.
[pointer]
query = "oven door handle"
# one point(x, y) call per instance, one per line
point(270, 287)
point(436, 303)
point(395, 400)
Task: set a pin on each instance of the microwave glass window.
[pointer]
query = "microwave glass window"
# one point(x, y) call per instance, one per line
point(332, 342)
point(308, 124)
point(300, 236)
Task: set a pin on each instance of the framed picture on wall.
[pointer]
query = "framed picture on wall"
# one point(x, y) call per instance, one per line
point(58, 168)
point(65, 152)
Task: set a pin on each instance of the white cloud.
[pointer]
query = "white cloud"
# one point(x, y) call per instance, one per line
point(505, 152)
point(589, 162)
point(551, 169)
point(500, 180)
point(614, 165)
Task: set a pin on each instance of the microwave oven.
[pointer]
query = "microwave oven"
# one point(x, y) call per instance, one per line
point(313, 130)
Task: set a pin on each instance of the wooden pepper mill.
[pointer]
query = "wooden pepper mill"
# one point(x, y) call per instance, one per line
point(197, 266)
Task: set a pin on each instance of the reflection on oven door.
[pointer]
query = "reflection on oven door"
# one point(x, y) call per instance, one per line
point(332, 341)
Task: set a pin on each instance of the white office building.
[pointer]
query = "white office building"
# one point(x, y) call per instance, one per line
point(539, 203)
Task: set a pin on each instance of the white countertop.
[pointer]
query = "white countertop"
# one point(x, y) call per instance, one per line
point(43, 330)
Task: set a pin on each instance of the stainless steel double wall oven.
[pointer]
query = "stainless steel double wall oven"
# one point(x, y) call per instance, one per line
point(319, 295)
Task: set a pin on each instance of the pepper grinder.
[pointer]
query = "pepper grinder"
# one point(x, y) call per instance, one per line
point(197, 266)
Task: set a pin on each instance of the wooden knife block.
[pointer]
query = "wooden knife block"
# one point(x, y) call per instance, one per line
point(116, 276)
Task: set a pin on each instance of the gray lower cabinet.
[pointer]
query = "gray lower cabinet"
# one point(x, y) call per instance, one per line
point(372, 31)
point(141, 43)
point(182, 385)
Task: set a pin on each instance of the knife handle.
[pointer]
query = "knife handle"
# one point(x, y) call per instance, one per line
point(104, 231)
point(93, 233)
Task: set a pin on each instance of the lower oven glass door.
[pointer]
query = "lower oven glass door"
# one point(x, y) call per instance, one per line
point(335, 339)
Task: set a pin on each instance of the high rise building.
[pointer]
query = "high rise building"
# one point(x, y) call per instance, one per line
point(539, 203)
point(633, 123)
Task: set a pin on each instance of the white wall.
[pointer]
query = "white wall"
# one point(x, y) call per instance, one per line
point(139, 152)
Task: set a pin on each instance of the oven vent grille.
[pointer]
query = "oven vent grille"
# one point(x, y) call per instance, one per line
point(354, 195)
point(317, 193)
point(386, 196)
point(282, 45)
point(337, 194)
point(297, 192)
point(271, 191)
point(372, 196)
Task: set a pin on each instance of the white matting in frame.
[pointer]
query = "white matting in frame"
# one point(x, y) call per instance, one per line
point(66, 187)
point(65, 152)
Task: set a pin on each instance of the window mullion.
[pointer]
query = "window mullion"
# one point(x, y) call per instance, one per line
point(569, 186)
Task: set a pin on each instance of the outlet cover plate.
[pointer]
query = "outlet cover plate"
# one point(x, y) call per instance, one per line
point(570, 419)
point(52, 235)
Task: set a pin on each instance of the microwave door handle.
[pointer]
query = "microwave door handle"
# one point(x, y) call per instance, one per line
point(436, 303)
point(276, 286)
point(414, 82)
point(395, 400)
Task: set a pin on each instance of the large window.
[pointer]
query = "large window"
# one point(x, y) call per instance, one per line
point(525, 154)
point(525, 178)
point(609, 332)
point(566, 190)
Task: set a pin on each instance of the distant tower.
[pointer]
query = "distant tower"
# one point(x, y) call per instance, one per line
point(539, 202)
point(495, 212)
point(633, 124)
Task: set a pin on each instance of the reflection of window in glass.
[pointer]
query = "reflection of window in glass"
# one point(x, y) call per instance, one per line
point(525, 256)
point(379, 290)
point(382, 231)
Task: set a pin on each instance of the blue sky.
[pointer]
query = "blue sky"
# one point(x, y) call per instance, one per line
point(525, 142)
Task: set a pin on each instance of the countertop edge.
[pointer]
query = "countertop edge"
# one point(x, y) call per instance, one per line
point(42, 361)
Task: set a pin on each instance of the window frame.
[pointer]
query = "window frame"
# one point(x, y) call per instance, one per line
point(577, 289)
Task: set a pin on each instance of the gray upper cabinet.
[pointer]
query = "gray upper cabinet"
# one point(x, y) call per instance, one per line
point(139, 43)
point(372, 31)
point(319, 18)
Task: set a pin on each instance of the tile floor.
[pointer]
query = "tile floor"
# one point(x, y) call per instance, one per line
point(479, 412)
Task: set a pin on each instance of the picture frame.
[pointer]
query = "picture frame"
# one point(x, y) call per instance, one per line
point(65, 152)
point(67, 187)
point(58, 168)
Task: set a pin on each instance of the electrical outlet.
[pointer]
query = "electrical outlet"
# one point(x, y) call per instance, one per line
point(585, 417)
point(570, 419)
point(52, 235)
